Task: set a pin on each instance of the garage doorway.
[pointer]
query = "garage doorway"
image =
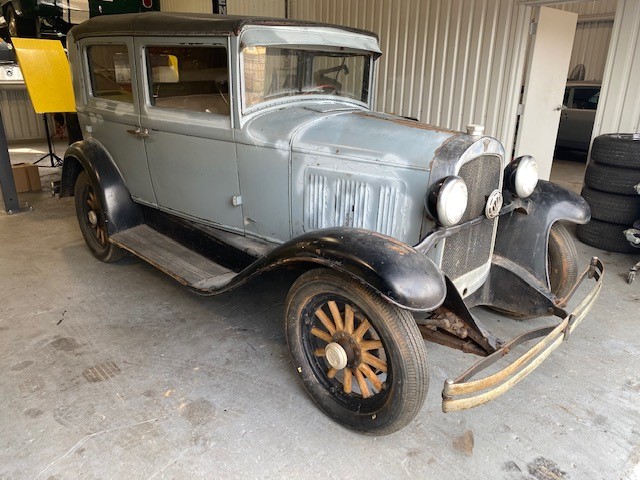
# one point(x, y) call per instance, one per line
point(552, 33)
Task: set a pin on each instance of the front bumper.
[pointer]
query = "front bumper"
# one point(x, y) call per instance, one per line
point(463, 393)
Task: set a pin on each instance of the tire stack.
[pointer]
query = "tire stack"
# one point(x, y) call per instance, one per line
point(609, 190)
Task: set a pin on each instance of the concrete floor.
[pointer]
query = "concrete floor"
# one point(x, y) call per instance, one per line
point(116, 371)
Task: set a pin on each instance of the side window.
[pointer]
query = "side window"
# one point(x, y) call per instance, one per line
point(189, 78)
point(110, 72)
point(586, 98)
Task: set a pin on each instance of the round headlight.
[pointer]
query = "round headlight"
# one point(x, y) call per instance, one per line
point(446, 201)
point(521, 176)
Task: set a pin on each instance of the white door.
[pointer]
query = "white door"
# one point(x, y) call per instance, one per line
point(549, 56)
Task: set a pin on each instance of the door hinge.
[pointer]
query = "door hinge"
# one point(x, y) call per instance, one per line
point(236, 200)
point(533, 28)
point(520, 109)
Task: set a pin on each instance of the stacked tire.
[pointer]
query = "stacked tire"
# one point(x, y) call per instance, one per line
point(609, 190)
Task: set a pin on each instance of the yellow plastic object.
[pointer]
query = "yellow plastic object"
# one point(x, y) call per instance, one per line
point(46, 72)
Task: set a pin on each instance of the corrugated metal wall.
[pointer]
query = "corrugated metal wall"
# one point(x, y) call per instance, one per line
point(20, 120)
point(190, 6)
point(446, 62)
point(593, 34)
point(619, 109)
point(266, 8)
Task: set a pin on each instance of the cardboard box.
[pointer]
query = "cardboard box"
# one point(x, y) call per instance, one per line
point(27, 177)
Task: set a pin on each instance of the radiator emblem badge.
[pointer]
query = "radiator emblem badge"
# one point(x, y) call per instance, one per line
point(494, 204)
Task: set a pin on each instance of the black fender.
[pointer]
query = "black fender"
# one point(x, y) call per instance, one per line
point(523, 234)
point(518, 282)
point(398, 272)
point(120, 211)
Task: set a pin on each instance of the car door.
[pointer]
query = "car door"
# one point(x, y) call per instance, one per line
point(111, 111)
point(576, 123)
point(186, 117)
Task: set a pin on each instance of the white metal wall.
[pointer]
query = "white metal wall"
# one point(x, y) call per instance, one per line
point(20, 120)
point(187, 6)
point(593, 33)
point(619, 109)
point(446, 62)
point(264, 8)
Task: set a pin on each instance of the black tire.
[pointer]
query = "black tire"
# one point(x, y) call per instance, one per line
point(562, 261)
point(400, 349)
point(91, 219)
point(616, 150)
point(611, 207)
point(612, 179)
point(18, 26)
point(605, 236)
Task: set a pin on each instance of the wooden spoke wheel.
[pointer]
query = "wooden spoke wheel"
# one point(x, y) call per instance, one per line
point(362, 359)
point(92, 221)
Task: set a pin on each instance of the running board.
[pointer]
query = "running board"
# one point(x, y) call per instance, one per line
point(176, 260)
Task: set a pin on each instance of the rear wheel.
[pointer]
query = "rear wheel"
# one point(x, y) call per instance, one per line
point(92, 221)
point(362, 360)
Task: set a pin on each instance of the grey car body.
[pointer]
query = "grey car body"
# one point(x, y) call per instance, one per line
point(214, 134)
point(578, 115)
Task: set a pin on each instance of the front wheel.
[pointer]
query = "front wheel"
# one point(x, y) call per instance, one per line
point(92, 220)
point(562, 261)
point(362, 360)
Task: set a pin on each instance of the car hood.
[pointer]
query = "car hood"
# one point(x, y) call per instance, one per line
point(349, 132)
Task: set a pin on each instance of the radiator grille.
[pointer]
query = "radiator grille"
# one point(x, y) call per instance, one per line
point(471, 248)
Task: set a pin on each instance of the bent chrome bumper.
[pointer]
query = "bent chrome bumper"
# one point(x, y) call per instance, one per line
point(463, 393)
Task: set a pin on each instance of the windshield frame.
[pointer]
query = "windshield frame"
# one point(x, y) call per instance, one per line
point(326, 97)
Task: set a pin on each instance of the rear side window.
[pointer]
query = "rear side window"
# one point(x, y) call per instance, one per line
point(110, 72)
point(586, 98)
point(189, 78)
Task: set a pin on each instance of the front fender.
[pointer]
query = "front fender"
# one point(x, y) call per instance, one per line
point(121, 212)
point(395, 270)
point(523, 235)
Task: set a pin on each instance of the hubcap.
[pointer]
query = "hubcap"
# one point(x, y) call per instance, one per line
point(336, 356)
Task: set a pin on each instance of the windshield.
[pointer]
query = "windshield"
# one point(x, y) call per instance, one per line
point(276, 72)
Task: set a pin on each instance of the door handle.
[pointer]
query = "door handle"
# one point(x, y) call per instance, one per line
point(139, 132)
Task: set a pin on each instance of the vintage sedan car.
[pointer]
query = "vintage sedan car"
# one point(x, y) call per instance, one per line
point(217, 148)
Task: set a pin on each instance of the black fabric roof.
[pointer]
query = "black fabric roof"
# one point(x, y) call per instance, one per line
point(183, 24)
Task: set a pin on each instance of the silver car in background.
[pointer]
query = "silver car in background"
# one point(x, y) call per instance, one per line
point(578, 115)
